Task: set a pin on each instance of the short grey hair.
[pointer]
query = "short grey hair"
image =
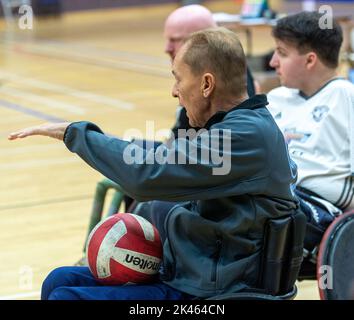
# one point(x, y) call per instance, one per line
point(219, 51)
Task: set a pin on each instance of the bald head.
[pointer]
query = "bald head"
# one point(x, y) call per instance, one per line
point(184, 21)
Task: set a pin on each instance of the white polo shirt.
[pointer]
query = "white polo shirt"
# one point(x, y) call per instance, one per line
point(324, 149)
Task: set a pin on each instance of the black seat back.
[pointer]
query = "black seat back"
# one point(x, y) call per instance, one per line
point(283, 252)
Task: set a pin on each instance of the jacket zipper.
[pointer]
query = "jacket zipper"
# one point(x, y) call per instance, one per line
point(216, 257)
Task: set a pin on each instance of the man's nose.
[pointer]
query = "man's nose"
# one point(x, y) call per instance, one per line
point(174, 92)
point(169, 48)
point(274, 61)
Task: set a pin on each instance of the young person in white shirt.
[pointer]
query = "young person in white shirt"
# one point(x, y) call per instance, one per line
point(314, 109)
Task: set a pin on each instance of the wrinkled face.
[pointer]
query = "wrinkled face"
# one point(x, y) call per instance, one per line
point(187, 89)
point(289, 64)
point(174, 35)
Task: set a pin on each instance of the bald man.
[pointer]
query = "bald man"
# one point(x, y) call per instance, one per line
point(184, 21)
point(178, 26)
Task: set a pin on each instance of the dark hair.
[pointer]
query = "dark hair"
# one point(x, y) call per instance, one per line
point(304, 31)
point(219, 51)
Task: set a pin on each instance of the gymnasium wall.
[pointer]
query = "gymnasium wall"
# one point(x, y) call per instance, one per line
point(42, 7)
point(74, 5)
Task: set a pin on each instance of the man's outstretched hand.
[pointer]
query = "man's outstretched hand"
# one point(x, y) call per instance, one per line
point(53, 130)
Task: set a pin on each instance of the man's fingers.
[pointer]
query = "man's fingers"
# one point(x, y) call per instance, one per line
point(22, 133)
point(15, 135)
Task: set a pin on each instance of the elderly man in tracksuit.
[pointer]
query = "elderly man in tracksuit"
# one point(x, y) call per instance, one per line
point(235, 174)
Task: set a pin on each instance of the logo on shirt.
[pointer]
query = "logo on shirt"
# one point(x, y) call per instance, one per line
point(319, 112)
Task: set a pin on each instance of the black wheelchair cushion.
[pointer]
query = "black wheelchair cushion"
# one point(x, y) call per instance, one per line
point(335, 260)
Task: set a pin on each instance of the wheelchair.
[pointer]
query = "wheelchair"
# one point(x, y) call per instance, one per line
point(334, 270)
point(284, 261)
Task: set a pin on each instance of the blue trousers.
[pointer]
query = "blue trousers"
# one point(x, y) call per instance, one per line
point(77, 283)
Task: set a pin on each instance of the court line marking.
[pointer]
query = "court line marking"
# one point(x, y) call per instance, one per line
point(30, 112)
point(84, 58)
point(39, 163)
point(45, 202)
point(137, 57)
point(84, 47)
point(21, 295)
point(92, 97)
point(30, 149)
point(51, 103)
point(10, 119)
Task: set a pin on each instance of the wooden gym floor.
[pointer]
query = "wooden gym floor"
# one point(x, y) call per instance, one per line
point(104, 66)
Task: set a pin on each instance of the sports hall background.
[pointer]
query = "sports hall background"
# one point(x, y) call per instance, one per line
point(96, 60)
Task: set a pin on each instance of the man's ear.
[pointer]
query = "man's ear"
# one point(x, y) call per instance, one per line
point(311, 60)
point(208, 84)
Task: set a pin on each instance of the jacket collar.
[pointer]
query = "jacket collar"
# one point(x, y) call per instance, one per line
point(255, 102)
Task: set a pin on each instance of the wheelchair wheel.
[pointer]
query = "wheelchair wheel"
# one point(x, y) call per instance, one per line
point(335, 260)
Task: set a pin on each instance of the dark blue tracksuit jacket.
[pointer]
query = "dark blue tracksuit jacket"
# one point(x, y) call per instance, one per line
point(215, 231)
